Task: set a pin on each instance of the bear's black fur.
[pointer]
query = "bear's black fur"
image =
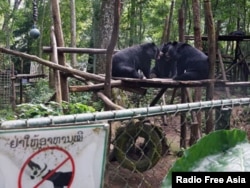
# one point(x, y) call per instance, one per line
point(191, 63)
point(128, 61)
point(163, 68)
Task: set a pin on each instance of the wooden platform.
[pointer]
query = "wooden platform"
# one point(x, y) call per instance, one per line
point(166, 82)
point(141, 85)
point(223, 38)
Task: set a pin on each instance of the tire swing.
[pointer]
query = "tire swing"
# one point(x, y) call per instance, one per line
point(138, 146)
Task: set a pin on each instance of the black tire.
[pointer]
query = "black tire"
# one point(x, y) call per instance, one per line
point(136, 158)
point(164, 142)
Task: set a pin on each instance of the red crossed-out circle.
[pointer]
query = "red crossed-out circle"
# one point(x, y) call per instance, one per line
point(56, 148)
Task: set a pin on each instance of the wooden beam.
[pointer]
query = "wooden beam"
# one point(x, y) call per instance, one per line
point(93, 87)
point(240, 84)
point(52, 65)
point(100, 86)
point(27, 76)
point(223, 38)
point(48, 49)
point(158, 96)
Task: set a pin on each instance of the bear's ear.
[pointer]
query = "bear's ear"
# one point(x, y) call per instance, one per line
point(153, 44)
point(175, 42)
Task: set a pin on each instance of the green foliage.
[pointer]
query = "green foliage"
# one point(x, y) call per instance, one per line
point(28, 110)
point(87, 99)
point(223, 146)
point(39, 92)
point(76, 108)
point(38, 95)
point(7, 114)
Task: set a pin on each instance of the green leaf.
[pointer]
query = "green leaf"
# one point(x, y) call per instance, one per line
point(214, 152)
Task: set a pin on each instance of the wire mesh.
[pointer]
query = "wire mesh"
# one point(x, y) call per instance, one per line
point(5, 88)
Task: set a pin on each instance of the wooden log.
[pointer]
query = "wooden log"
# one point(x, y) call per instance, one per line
point(52, 65)
point(107, 101)
point(158, 96)
point(59, 38)
point(240, 84)
point(222, 38)
point(223, 73)
point(100, 86)
point(54, 57)
point(94, 87)
point(27, 76)
point(48, 49)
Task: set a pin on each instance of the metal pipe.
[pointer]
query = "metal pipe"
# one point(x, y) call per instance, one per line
point(122, 114)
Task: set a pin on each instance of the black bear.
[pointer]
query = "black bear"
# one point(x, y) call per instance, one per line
point(127, 62)
point(163, 68)
point(191, 63)
point(237, 33)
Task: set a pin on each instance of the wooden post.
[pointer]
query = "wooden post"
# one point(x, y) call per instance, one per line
point(223, 72)
point(54, 58)
point(223, 118)
point(183, 121)
point(195, 132)
point(212, 59)
point(183, 96)
point(13, 99)
point(60, 43)
point(110, 50)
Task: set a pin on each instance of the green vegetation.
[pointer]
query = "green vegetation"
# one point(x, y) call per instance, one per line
point(220, 148)
point(38, 95)
point(28, 110)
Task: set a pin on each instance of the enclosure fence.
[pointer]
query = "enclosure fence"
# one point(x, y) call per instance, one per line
point(141, 150)
point(5, 88)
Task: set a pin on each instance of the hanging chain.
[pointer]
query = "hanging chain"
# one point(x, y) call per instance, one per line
point(35, 11)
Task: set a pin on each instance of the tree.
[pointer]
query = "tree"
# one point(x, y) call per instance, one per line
point(195, 129)
point(73, 31)
point(111, 46)
point(105, 28)
point(8, 20)
point(212, 58)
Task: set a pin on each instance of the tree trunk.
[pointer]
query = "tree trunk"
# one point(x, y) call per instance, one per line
point(106, 18)
point(212, 58)
point(181, 24)
point(132, 21)
point(183, 121)
point(110, 49)
point(195, 128)
point(60, 43)
point(73, 31)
